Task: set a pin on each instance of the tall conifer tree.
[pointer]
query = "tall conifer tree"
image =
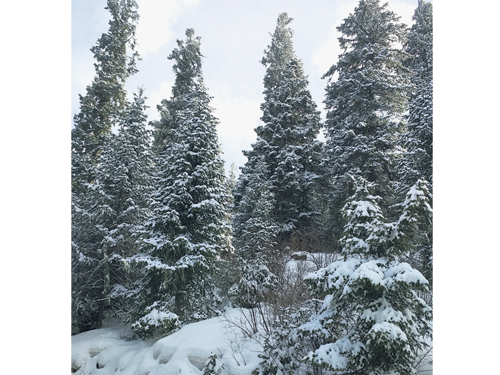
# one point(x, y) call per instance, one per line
point(119, 207)
point(100, 109)
point(366, 100)
point(105, 97)
point(415, 164)
point(287, 140)
point(417, 139)
point(416, 222)
point(254, 239)
point(125, 178)
point(189, 230)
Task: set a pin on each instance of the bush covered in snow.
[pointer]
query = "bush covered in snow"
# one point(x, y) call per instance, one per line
point(373, 319)
point(156, 323)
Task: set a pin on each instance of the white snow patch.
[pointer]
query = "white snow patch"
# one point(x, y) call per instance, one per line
point(403, 272)
point(104, 351)
point(390, 330)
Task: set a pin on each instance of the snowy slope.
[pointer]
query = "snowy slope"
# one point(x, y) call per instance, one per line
point(104, 351)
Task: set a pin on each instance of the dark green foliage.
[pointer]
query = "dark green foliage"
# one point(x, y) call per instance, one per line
point(105, 99)
point(213, 366)
point(375, 320)
point(125, 179)
point(416, 224)
point(416, 162)
point(118, 207)
point(101, 108)
point(156, 322)
point(366, 98)
point(255, 235)
point(126, 168)
point(286, 141)
point(157, 250)
point(288, 344)
point(188, 232)
point(253, 227)
point(365, 232)
point(372, 319)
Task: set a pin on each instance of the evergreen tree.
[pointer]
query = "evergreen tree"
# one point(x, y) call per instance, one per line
point(366, 101)
point(231, 181)
point(415, 223)
point(416, 162)
point(86, 288)
point(100, 110)
point(254, 239)
point(92, 267)
point(105, 98)
point(130, 171)
point(188, 231)
point(120, 199)
point(287, 139)
point(365, 232)
point(125, 173)
point(372, 319)
point(288, 344)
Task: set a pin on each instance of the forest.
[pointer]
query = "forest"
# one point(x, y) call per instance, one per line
point(323, 243)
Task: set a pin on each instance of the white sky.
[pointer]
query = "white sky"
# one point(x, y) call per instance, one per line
point(234, 35)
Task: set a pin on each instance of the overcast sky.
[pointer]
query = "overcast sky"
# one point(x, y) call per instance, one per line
point(234, 35)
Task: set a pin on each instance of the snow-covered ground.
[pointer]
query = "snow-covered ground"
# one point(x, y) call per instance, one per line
point(107, 351)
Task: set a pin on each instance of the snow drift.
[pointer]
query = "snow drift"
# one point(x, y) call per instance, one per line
point(108, 351)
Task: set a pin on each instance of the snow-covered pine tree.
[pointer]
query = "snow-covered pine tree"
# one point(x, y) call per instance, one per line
point(416, 162)
point(287, 139)
point(230, 186)
point(366, 233)
point(87, 286)
point(366, 100)
point(125, 173)
point(120, 200)
point(372, 319)
point(92, 271)
point(415, 224)
point(188, 231)
point(105, 98)
point(100, 109)
point(131, 174)
point(287, 345)
point(255, 234)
